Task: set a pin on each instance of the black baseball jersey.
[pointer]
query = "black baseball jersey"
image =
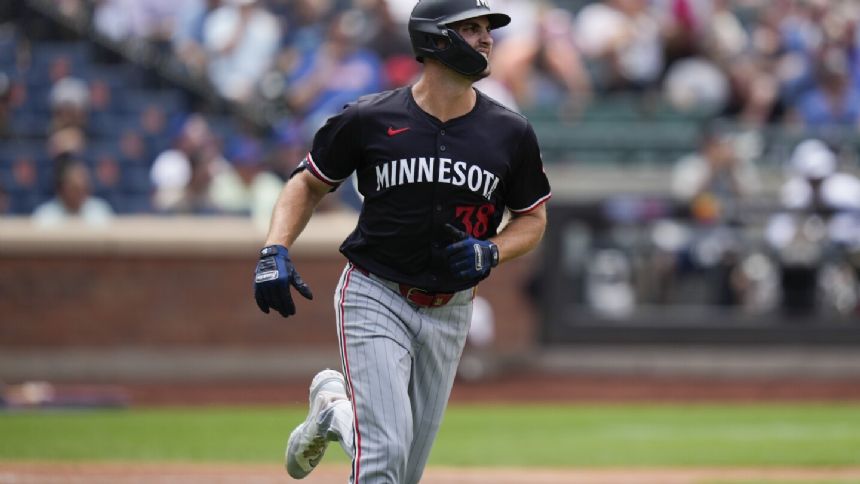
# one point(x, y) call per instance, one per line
point(417, 173)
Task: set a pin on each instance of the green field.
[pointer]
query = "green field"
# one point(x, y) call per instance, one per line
point(616, 435)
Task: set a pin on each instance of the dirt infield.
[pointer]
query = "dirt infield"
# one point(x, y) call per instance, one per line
point(178, 473)
point(521, 387)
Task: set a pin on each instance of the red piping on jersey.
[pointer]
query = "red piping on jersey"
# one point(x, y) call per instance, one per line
point(533, 206)
point(348, 375)
point(316, 172)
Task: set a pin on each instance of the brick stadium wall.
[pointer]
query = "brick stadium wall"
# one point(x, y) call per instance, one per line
point(186, 283)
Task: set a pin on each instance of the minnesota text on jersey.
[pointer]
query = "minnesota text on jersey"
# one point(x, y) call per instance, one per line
point(427, 170)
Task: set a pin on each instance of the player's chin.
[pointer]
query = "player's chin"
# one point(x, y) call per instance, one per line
point(481, 75)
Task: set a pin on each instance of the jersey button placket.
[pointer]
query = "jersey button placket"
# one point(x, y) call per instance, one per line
point(438, 206)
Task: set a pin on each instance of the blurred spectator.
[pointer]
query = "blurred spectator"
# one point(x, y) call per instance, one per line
point(712, 185)
point(73, 198)
point(835, 99)
point(337, 72)
point(683, 24)
point(714, 180)
point(400, 11)
point(810, 27)
point(24, 184)
point(247, 187)
point(745, 83)
point(67, 140)
point(608, 283)
point(820, 223)
point(304, 24)
point(5, 106)
point(188, 36)
point(722, 34)
point(133, 149)
point(540, 63)
point(153, 127)
point(117, 19)
point(308, 21)
point(70, 99)
point(122, 20)
point(289, 149)
point(696, 85)
point(622, 42)
point(170, 173)
point(5, 203)
point(382, 34)
point(195, 197)
point(816, 186)
point(195, 149)
point(241, 38)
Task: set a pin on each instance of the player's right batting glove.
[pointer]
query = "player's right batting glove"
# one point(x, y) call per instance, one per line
point(272, 280)
point(468, 257)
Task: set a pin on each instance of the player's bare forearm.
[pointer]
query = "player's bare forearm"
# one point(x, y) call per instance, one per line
point(522, 234)
point(294, 208)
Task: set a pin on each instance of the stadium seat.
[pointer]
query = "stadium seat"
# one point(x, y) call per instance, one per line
point(33, 98)
point(45, 53)
point(135, 180)
point(110, 126)
point(13, 150)
point(24, 202)
point(222, 126)
point(130, 204)
point(27, 125)
point(136, 101)
point(8, 49)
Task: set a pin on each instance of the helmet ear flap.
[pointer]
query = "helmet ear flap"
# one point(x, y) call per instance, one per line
point(427, 44)
point(438, 42)
point(456, 53)
point(460, 56)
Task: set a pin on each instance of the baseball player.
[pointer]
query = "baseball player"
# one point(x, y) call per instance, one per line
point(437, 163)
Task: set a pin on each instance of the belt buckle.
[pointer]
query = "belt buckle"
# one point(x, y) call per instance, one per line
point(416, 291)
point(423, 297)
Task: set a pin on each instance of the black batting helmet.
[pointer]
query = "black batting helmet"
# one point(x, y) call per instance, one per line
point(429, 22)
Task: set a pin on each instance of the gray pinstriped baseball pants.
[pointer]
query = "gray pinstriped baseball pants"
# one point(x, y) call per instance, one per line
point(399, 362)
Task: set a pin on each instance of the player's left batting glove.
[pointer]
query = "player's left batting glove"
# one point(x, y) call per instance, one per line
point(468, 257)
point(272, 280)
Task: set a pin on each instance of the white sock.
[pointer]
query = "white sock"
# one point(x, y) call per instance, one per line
point(341, 425)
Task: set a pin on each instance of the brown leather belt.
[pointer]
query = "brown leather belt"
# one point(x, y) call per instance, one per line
point(418, 296)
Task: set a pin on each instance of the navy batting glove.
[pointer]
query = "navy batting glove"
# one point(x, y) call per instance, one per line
point(272, 280)
point(468, 257)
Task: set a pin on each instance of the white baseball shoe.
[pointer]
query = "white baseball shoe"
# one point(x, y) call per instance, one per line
point(308, 442)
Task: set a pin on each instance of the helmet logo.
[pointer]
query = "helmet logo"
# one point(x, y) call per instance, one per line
point(483, 3)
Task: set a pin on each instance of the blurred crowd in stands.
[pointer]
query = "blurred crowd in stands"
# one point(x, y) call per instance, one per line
point(90, 126)
point(793, 62)
point(760, 61)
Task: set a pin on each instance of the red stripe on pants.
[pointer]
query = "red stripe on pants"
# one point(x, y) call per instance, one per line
point(348, 376)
